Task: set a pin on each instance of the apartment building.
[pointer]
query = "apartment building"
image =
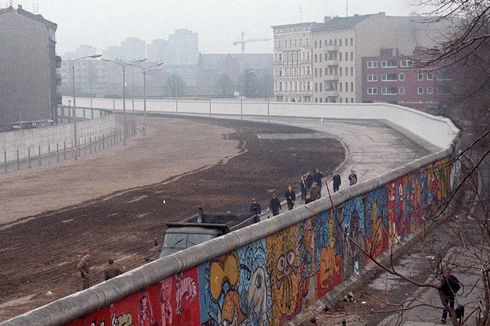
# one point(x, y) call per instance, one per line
point(29, 77)
point(392, 77)
point(340, 43)
point(292, 62)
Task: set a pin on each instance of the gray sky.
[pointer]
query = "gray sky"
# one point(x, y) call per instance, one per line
point(218, 22)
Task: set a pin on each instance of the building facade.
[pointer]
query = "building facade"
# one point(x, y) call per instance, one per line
point(391, 77)
point(292, 62)
point(29, 75)
point(184, 48)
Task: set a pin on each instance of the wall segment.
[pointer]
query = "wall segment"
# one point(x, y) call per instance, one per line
point(266, 273)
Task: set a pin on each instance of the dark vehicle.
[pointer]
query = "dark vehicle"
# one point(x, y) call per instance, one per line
point(200, 228)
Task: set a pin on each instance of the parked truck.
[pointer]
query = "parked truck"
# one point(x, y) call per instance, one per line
point(200, 228)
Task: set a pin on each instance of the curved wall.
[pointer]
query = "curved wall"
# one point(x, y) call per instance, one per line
point(267, 272)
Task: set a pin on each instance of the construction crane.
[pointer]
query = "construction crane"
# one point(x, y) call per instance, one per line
point(243, 41)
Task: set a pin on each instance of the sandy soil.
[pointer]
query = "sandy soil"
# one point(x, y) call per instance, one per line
point(39, 257)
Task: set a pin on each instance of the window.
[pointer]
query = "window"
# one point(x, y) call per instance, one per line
point(401, 90)
point(443, 90)
point(352, 56)
point(429, 76)
point(346, 71)
point(388, 63)
point(316, 58)
point(340, 87)
point(340, 42)
point(346, 87)
point(372, 64)
point(315, 44)
point(316, 72)
point(406, 63)
point(352, 71)
point(340, 70)
point(372, 90)
point(351, 86)
point(443, 75)
point(321, 87)
point(388, 77)
point(401, 76)
point(326, 56)
point(340, 56)
point(346, 56)
point(389, 90)
point(430, 90)
point(420, 90)
point(372, 78)
point(316, 87)
point(341, 98)
point(321, 72)
point(351, 41)
point(420, 76)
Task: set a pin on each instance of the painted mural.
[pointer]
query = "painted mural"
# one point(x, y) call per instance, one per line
point(236, 288)
point(271, 280)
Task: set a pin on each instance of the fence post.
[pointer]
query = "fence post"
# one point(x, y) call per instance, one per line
point(103, 141)
point(49, 154)
point(241, 107)
point(29, 156)
point(90, 145)
point(39, 154)
point(84, 113)
point(5, 160)
point(210, 106)
point(64, 150)
point(57, 152)
point(78, 149)
point(268, 112)
point(18, 160)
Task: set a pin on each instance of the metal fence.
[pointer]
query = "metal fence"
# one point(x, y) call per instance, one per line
point(51, 152)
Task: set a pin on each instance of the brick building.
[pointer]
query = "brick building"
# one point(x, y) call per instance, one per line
point(391, 77)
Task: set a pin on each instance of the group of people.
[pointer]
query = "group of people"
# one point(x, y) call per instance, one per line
point(111, 270)
point(311, 188)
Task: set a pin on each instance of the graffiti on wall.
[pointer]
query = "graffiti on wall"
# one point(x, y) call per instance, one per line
point(269, 281)
point(237, 288)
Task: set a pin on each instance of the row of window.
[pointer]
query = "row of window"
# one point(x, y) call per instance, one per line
point(333, 99)
point(292, 43)
point(292, 86)
point(292, 71)
point(334, 71)
point(401, 77)
point(334, 42)
point(328, 86)
point(391, 63)
point(401, 90)
point(292, 56)
point(332, 55)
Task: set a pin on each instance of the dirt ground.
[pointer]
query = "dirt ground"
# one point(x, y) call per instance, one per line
point(39, 257)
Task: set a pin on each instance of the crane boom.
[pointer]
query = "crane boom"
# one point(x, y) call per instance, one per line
point(243, 41)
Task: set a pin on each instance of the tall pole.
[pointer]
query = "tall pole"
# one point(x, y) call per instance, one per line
point(74, 112)
point(113, 94)
point(124, 104)
point(144, 94)
point(132, 83)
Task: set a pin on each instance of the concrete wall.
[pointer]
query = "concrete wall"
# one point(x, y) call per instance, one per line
point(61, 134)
point(268, 272)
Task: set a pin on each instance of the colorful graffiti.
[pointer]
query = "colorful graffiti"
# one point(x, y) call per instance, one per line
point(271, 280)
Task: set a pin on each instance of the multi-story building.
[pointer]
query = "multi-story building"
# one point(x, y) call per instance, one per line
point(133, 49)
point(292, 64)
point(28, 67)
point(159, 51)
point(391, 77)
point(184, 48)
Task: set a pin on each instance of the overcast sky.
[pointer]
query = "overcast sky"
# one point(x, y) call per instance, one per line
point(218, 22)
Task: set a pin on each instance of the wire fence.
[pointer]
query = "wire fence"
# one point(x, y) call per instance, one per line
point(89, 141)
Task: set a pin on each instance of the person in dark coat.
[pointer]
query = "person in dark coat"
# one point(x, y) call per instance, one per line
point(315, 192)
point(290, 197)
point(111, 270)
point(274, 205)
point(255, 208)
point(317, 177)
point(449, 287)
point(302, 185)
point(352, 178)
point(337, 181)
point(308, 181)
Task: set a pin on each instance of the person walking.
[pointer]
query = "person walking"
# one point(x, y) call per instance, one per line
point(308, 181)
point(111, 270)
point(352, 177)
point(337, 181)
point(274, 205)
point(84, 268)
point(449, 287)
point(303, 188)
point(290, 197)
point(255, 209)
point(315, 192)
point(317, 177)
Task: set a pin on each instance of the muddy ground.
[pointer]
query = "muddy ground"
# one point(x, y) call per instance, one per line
point(39, 257)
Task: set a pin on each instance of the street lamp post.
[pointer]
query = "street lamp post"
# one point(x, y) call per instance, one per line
point(144, 71)
point(75, 140)
point(123, 64)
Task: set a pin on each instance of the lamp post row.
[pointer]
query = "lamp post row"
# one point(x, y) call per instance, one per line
point(122, 64)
